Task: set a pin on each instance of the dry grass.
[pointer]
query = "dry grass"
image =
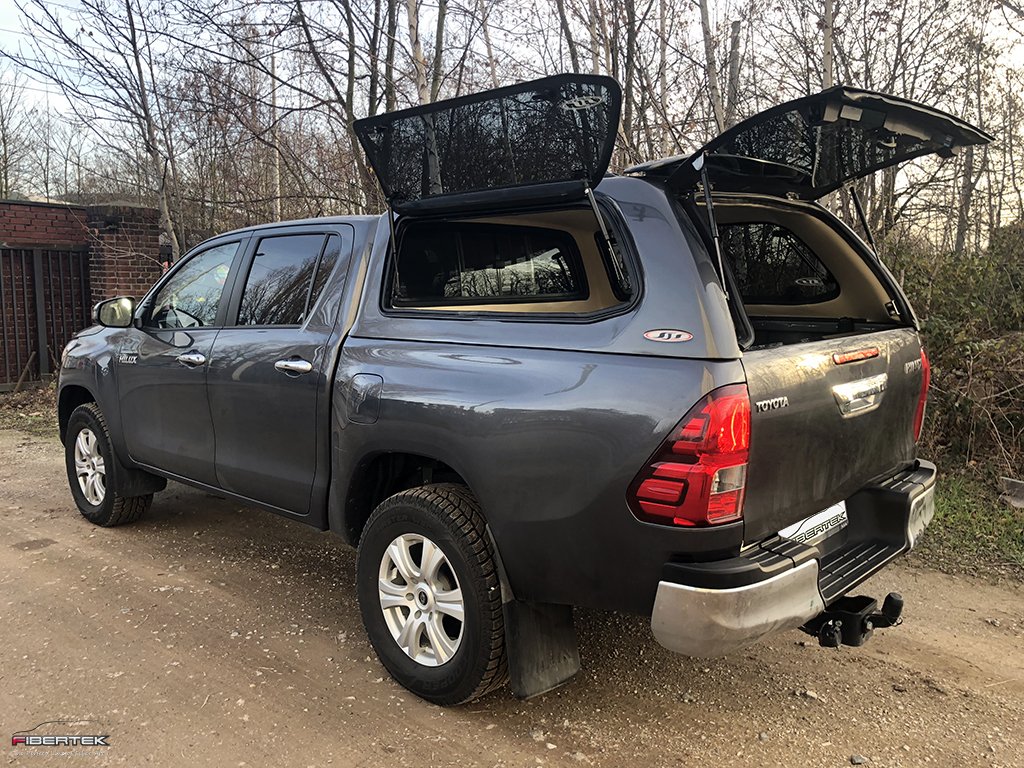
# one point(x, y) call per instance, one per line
point(32, 410)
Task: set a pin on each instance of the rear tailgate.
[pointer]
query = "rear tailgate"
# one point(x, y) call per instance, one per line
point(805, 452)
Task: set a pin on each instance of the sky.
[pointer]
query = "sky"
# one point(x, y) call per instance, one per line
point(12, 36)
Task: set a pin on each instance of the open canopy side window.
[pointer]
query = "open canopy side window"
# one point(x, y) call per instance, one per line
point(545, 140)
point(812, 146)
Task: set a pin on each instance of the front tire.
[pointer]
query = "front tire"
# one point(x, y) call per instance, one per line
point(92, 468)
point(429, 594)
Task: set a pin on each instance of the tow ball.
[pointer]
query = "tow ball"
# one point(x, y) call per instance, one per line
point(852, 620)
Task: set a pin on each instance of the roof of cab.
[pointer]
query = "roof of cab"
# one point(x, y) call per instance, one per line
point(312, 222)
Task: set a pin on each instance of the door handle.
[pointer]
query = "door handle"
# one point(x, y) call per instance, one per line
point(191, 359)
point(294, 366)
point(860, 396)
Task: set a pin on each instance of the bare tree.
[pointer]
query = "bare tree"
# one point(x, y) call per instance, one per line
point(15, 139)
point(711, 61)
point(107, 75)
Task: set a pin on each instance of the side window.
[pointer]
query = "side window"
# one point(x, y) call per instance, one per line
point(773, 266)
point(277, 288)
point(330, 257)
point(190, 298)
point(465, 263)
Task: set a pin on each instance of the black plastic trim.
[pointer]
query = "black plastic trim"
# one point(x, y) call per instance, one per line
point(749, 568)
point(876, 534)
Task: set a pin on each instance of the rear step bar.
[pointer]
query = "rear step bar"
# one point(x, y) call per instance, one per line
point(852, 620)
point(714, 608)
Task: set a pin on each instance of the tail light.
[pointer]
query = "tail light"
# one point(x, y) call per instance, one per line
point(922, 400)
point(698, 475)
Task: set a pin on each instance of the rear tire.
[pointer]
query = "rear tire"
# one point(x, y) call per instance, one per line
point(92, 468)
point(435, 536)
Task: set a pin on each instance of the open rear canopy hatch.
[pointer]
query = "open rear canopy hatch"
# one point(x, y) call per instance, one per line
point(812, 146)
point(548, 140)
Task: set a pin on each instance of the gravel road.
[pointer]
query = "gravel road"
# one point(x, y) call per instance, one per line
point(209, 634)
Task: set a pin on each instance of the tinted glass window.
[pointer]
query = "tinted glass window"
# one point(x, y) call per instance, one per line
point(191, 296)
point(559, 129)
point(773, 266)
point(326, 266)
point(277, 288)
point(483, 263)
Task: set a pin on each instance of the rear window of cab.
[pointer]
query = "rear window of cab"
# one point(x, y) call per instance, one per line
point(453, 263)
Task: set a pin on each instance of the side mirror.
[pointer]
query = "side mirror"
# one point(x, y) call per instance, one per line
point(115, 313)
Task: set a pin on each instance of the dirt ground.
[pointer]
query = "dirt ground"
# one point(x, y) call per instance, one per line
point(209, 634)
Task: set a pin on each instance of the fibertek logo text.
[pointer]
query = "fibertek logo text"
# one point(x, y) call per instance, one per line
point(29, 740)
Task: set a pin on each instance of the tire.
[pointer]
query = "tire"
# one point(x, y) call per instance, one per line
point(88, 453)
point(469, 661)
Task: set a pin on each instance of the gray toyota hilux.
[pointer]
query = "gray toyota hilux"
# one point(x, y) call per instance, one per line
point(688, 392)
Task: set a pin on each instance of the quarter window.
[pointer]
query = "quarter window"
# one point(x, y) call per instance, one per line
point(332, 251)
point(191, 296)
point(464, 263)
point(278, 286)
point(773, 266)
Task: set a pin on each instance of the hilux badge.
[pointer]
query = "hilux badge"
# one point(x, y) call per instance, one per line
point(668, 334)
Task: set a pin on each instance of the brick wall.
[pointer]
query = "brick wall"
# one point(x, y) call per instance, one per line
point(124, 250)
point(55, 261)
point(123, 240)
point(28, 224)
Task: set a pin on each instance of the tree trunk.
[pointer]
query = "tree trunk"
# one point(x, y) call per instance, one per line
point(733, 83)
point(567, 34)
point(423, 89)
point(435, 80)
point(628, 85)
point(492, 64)
point(714, 91)
point(374, 87)
point(390, 96)
point(157, 164)
point(663, 99)
point(827, 63)
point(966, 197)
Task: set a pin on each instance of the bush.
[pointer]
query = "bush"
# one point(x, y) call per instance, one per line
point(972, 312)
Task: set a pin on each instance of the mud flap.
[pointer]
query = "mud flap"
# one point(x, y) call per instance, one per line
point(137, 482)
point(540, 639)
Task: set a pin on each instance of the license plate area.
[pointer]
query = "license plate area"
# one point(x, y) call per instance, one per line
point(819, 526)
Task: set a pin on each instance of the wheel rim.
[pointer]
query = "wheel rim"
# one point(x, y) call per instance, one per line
point(90, 469)
point(421, 600)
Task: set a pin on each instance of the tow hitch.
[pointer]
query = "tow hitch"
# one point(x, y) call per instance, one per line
point(852, 620)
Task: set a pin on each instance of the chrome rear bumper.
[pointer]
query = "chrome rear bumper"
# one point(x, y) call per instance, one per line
point(713, 622)
point(712, 609)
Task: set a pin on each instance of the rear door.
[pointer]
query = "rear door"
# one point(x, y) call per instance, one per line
point(270, 366)
point(812, 146)
point(827, 418)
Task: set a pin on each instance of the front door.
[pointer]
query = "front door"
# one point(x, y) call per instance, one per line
point(162, 366)
point(270, 371)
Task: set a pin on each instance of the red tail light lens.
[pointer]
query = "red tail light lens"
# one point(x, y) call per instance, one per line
point(922, 400)
point(699, 473)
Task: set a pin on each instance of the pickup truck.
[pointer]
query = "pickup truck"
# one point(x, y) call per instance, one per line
point(688, 391)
